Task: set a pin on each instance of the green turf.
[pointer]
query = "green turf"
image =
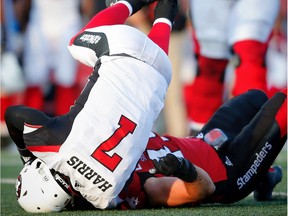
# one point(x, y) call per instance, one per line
point(11, 165)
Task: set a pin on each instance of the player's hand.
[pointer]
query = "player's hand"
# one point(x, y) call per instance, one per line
point(167, 165)
point(176, 166)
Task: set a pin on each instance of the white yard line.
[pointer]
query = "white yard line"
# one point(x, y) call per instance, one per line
point(7, 181)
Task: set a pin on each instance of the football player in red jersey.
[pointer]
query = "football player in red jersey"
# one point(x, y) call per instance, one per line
point(236, 148)
point(230, 158)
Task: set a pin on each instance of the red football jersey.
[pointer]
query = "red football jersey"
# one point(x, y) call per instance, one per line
point(194, 149)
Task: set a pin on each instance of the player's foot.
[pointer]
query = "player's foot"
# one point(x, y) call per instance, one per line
point(265, 188)
point(166, 9)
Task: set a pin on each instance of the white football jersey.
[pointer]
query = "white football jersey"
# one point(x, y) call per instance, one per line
point(111, 131)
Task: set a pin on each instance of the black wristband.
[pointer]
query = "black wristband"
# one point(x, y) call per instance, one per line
point(187, 171)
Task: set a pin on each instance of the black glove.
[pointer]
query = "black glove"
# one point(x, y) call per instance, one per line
point(176, 166)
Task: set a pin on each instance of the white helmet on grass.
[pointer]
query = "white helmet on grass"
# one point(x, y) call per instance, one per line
point(38, 190)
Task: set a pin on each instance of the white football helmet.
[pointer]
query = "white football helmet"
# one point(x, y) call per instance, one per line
point(37, 190)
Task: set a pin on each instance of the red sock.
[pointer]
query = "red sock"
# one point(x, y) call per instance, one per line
point(64, 98)
point(116, 14)
point(206, 92)
point(34, 98)
point(251, 72)
point(160, 34)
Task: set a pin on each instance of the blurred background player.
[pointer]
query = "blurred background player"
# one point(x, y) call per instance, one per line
point(277, 53)
point(46, 60)
point(31, 55)
point(11, 74)
point(221, 29)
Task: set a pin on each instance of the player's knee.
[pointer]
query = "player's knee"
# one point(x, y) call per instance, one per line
point(250, 51)
point(11, 113)
point(257, 97)
point(248, 102)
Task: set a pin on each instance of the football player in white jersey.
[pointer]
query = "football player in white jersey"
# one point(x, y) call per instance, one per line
point(223, 29)
point(109, 125)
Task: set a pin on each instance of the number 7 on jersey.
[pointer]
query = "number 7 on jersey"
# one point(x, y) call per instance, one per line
point(100, 154)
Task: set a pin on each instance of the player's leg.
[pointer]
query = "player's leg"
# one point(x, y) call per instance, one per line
point(117, 13)
point(164, 16)
point(212, 54)
point(256, 147)
point(274, 175)
point(248, 36)
point(208, 85)
point(65, 75)
point(35, 66)
point(266, 132)
point(16, 118)
point(251, 70)
point(236, 113)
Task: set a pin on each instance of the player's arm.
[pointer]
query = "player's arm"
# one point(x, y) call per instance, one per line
point(189, 183)
point(172, 191)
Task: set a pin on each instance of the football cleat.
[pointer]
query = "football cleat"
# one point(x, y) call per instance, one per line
point(135, 4)
point(265, 188)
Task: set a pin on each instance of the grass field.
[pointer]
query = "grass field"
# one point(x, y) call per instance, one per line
point(11, 166)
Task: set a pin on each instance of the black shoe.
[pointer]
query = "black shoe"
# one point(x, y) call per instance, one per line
point(265, 188)
point(166, 9)
point(136, 4)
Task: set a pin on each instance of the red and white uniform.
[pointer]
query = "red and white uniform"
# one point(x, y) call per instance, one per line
point(220, 24)
point(221, 29)
point(107, 129)
point(118, 115)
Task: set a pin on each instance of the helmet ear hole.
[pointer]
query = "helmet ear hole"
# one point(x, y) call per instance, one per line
point(38, 164)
